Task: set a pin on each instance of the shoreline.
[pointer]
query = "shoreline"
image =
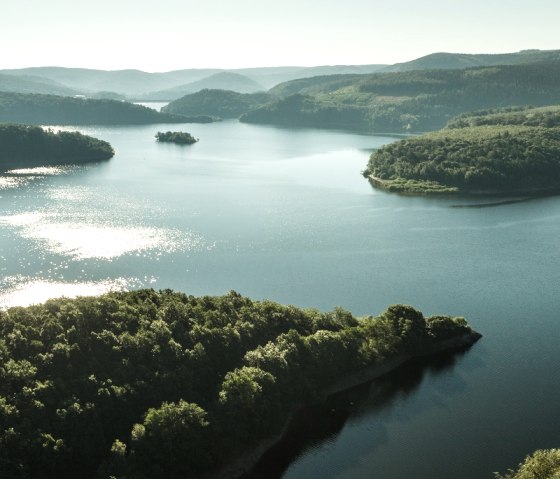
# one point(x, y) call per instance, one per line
point(453, 191)
point(245, 463)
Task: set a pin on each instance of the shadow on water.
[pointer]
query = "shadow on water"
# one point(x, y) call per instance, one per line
point(320, 423)
point(497, 203)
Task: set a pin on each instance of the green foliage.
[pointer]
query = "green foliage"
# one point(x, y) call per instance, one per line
point(484, 158)
point(542, 464)
point(38, 109)
point(150, 384)
point(168, 437)
point(546, 117)
point(307, 111)
point(22, 145)
point(178, 137)
point(419, 100)
point(218, 103)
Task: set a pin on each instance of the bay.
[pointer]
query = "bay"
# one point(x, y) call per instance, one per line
point(284, 214)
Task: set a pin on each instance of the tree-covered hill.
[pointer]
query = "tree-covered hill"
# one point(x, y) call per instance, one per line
point(31, 84)
point(503, 152)
point(218, 103)
point(410, 101)
point(25, 146)
point(454, 61)
point(152, 384)
point(60, 110)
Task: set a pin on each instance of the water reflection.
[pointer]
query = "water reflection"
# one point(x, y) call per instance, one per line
point(315, 427)
point(24, 291)
point(101, 241)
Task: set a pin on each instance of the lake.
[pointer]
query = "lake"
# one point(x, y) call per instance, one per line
point(285, 214)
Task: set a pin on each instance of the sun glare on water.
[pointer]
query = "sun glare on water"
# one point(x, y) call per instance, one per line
point(26, 291)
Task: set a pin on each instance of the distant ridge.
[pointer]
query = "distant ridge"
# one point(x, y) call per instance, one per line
point(456, 61)
point(140, 85)
point(31, 84)
point(218, 81)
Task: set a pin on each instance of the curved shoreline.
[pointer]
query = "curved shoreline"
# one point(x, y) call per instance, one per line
point(453, 191)
point(246, 462)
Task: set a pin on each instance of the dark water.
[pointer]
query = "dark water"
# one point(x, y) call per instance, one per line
point(286, 215)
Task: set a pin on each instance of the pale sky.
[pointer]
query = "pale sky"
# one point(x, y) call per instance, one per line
point(176, 34)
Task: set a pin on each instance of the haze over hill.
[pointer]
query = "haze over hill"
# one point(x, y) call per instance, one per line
point(141, 85)
point(218, 81)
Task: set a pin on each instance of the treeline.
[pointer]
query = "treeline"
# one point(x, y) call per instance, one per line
point(408, 101)
point(178, 137)
point(150, 384)
point(22, 145)
point(216, 103)
point(484, 158)
point(38, 109)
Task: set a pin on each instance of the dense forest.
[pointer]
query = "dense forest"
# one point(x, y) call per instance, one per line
point(59, 110)
point(542, 464)
point(507, 151)
point(150, 384)
point(22, 145)
point(407, 101)
point(178, 137)
point(218, 103)
point(546, 116)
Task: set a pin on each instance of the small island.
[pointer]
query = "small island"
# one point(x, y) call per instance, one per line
point(30, 146)
point(149, 384)
point(177, 137)
point(516, 151)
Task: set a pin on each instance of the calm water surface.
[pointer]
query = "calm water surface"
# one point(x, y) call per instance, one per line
point(284, 214)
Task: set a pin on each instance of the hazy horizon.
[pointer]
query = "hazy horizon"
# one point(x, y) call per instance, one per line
point(175, 35)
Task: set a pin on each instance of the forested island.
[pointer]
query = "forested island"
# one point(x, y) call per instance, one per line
point(177, 137)
point(36, 109)
point(150, 384)
point(509, 151)
point(29, 146)
point(409, 101)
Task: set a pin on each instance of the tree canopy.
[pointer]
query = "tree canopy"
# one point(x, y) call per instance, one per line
point(178, 137)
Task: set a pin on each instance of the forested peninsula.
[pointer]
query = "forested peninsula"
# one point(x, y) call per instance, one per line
point(23, 146)
point(513, 151)
point(150, 384)
point(36, 109)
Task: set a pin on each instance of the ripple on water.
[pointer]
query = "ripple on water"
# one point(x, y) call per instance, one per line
point(10, 182)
